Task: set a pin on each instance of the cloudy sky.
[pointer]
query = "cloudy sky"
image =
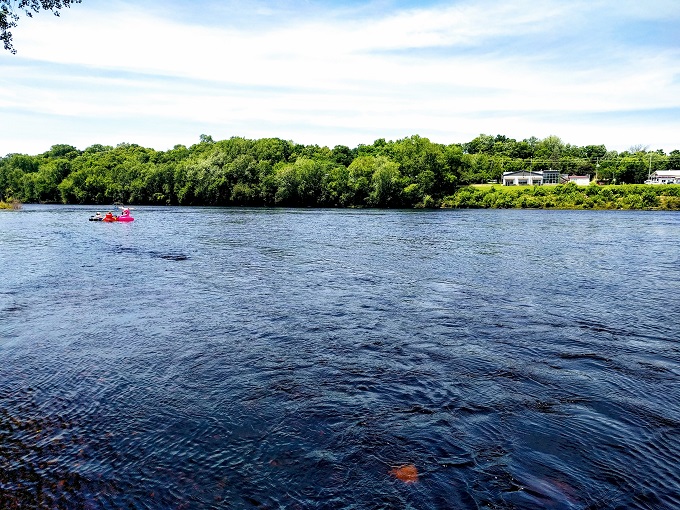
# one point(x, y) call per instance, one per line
point(160, 73)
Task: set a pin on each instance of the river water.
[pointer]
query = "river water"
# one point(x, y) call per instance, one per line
point(280, 358)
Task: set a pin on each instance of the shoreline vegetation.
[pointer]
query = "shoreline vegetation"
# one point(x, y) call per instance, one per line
point(11, 204)
point(412, 172)
point(568, 196)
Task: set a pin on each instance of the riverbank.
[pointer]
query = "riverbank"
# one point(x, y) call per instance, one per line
point(561, 196)
point(11, 205)
point(566, 196)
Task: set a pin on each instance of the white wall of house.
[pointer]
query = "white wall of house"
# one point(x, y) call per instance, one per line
point(522, 179)
point(580, 180)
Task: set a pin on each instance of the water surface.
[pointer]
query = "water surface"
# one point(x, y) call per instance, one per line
point(269, 358)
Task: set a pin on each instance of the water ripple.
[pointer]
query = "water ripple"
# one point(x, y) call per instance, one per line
point(236, 358)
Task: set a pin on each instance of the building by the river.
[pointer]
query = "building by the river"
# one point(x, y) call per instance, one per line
point(529, 178)
point(664, 177)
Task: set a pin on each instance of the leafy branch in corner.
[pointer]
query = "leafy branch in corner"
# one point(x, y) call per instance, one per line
point(11, 9)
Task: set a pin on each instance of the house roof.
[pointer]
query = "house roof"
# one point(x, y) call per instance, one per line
point(666, 173)
point(522, 173)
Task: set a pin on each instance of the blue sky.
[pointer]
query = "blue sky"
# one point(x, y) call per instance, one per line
point(324, 72)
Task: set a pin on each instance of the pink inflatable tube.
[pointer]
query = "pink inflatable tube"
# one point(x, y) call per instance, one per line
point(125, 215)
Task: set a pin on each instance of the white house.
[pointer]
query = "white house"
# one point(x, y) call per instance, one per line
point(522, 178)
point(529, 178)
point(664, 177)
point(581, 180)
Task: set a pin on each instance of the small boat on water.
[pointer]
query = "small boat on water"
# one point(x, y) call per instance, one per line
point(110, 218)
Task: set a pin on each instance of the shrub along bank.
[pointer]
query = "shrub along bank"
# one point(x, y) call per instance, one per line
point(566, 196)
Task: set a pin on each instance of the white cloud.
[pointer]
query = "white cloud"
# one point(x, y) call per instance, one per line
point(444, 72)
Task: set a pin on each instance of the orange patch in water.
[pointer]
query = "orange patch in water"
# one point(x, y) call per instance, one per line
point(407, 473)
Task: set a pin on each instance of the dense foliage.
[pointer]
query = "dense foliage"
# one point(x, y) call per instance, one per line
point(411, 172)
point(567, 196)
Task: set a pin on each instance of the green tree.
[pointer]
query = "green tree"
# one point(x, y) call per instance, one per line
point(343, 155)
point(452, 158)
point(13, 181)
point(482, 144)
point(674, 160)
point(548, 153)
point(300, 183)
point(87, 185)
point(477, 168)
point(633, 168)
point(272, 150)
point(336, 188)
point(386, 184)
point(242, 176)
point(10, 10)
point(359, 179)
point(62, 151)
point(423, 163)
point(45, 182)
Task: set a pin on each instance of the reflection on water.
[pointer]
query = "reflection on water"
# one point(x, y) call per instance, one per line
point(211, 358)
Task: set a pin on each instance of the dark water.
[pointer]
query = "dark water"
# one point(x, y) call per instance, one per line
point(236, 358)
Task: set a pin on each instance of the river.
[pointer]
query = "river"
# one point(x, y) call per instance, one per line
point(297, 358)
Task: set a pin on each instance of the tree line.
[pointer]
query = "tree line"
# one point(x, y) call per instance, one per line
point(409, 172)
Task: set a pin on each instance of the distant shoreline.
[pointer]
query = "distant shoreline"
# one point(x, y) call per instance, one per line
point(410, 173)
point(494, 196)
